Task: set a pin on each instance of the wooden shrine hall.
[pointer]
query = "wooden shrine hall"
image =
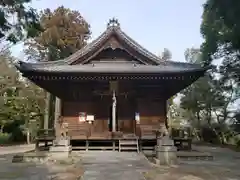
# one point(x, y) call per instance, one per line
point(112, 88)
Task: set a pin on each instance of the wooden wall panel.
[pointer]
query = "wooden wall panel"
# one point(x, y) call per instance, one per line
point(151, 112)
point(100, 110)
point(126, 115)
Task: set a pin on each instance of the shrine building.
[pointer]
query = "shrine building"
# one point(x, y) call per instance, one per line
point(112, 87)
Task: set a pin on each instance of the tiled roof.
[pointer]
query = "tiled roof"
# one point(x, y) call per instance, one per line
point(112, 30)
point(65, 65)
point(113, 68)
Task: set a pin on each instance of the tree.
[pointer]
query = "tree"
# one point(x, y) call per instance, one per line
point(26, 20)
point(166, 54)
point(21, 101)
point(221, 32)
point(193, 55)
point(208, 99)
point(174, 113)
point(236, 123)
point(64, 32)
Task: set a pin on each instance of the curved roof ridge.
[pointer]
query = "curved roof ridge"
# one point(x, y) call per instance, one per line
point(139, 47)
point(88, 47)
point(95, 43)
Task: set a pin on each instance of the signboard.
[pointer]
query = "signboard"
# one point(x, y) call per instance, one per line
point(82, 117)
point(90, 118)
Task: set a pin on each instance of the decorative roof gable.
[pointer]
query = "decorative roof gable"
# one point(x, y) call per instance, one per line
point(113, 38)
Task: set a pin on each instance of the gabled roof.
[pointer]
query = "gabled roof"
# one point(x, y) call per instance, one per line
point(113, 29)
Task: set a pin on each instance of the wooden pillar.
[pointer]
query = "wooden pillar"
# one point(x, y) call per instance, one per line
point(46, 110)
point(114, 104)
point(57, 114)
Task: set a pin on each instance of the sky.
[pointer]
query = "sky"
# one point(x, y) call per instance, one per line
point(155, 24)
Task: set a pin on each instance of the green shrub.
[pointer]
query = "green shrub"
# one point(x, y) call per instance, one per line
point(4, 138)
point(237, 142)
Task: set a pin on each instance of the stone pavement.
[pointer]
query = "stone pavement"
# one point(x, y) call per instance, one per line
point(16, 149)
point(51, 170)
point(107, 165)
point(114, 165)
point(21, 171)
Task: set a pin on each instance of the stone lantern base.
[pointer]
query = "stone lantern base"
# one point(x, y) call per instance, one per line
point(166, 152)
point(61, 148)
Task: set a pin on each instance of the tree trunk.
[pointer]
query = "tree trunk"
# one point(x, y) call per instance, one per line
point(28, 136)
point(209, 116)
point(216, 133)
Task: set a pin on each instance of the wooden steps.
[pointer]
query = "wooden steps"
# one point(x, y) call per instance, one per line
point(128, 144)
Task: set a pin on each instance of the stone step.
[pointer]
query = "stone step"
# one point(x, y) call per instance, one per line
point(129, 148)
point(128, 142)
point(191, 155)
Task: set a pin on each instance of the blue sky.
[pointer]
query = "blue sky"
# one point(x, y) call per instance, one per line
point(155, 24)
